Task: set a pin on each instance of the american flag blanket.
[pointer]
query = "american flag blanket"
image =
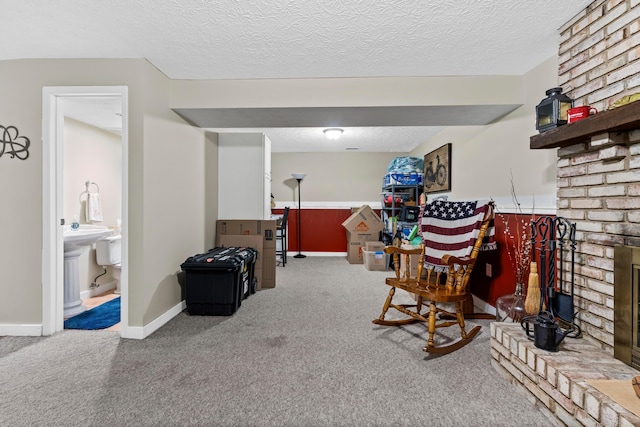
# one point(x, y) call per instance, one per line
point(452, 228)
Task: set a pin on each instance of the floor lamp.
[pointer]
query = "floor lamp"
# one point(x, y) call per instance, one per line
point(299, 177)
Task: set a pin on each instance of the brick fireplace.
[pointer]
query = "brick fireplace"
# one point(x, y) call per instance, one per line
point(598, 180)
point(598, 188)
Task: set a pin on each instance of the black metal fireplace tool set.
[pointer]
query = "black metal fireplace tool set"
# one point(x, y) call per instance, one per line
point(553, 245)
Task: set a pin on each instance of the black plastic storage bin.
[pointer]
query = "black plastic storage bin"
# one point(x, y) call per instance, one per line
point(249, 283)
point(218, 280)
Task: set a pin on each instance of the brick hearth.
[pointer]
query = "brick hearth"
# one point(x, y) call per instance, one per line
point(556, 382)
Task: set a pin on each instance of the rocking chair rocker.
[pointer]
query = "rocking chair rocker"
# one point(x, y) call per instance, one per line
point(441, 280)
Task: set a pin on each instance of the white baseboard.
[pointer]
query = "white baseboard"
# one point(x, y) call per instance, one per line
point(133, 332)
point(21, 330)
point(98, 291)
point(290, 254)
point(141, 332)
point(483, 306)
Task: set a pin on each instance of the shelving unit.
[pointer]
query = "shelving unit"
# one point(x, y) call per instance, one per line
point(394, 190)
point(395, 209)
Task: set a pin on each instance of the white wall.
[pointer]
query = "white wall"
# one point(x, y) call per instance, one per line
point(91, 154)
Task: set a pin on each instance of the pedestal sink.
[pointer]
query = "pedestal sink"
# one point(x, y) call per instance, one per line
point(74, 243)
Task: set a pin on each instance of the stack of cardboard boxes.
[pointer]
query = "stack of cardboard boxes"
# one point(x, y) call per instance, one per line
point(364, 225)
point(257, 234)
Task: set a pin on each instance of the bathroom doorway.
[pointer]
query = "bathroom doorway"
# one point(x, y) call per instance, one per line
point(59, 102)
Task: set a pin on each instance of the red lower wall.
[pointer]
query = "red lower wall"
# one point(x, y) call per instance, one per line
point(503, 277)
point(322, 231)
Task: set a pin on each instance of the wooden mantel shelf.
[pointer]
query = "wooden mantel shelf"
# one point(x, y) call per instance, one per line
point(624, 118)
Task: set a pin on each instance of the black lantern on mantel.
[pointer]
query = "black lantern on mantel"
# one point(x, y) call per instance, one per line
point(552, 111)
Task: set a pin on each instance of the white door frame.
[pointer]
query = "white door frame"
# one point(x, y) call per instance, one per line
point(52, 202)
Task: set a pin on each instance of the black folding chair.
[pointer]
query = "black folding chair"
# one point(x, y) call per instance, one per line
point(281, 236)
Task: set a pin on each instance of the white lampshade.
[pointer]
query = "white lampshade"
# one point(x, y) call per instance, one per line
point(298, 175)
point(333, 133)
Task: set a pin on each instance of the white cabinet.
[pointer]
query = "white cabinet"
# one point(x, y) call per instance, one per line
point(244, 176)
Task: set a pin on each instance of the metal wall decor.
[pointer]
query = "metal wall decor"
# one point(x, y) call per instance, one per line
point(13, 144)
point(437, 170)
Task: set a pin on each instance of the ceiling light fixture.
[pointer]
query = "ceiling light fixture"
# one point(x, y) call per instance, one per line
point(333, 133)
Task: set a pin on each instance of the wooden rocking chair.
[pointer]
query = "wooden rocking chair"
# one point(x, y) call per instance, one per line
point(436, 286)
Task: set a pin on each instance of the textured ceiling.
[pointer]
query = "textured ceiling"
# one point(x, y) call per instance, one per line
point(261, 39)
point(231, 39)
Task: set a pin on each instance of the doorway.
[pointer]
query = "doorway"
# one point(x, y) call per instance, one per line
point(53, 109)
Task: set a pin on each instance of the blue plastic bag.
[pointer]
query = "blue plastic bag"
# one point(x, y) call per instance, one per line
point(406, 164)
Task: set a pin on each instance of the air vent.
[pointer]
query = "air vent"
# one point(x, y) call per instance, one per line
point(351, 148)
point(635, 361)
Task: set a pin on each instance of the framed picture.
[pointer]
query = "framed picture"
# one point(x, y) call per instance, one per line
point(437, 170)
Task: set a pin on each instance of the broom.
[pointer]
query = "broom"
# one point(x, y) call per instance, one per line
point(532, 303)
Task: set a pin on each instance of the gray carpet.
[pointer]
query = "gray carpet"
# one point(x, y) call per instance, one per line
point(302, 354)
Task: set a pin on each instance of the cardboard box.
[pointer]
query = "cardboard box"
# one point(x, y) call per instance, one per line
point(356, 243)
point(363, 226)
point(249, 227)
point(374, 246)
point(363, 220)
point(254, 227)
point(249, 242)
point(375, 260)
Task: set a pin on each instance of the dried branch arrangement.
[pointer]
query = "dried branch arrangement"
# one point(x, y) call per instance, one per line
point(518, 240)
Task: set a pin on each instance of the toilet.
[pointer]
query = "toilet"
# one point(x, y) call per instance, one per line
point(108, 253)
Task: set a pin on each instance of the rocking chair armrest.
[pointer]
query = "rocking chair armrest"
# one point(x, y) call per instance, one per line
point(397, 250)
point(451, 260)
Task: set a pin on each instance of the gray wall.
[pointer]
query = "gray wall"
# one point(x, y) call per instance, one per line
point(333, 179)
point(484, 157)
point(172, 186)
point(166, 185)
